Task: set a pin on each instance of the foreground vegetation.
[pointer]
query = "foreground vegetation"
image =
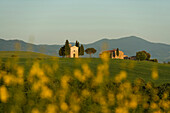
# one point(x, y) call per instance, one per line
point(35, 85)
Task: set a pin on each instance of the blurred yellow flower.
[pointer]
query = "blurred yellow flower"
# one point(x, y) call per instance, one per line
point(153, 105)
point(105, 56)
point(85, 93)
point(9, 79)
point(20, 72)
point(165, 104)
point(3, 94)
point(121, 110)
point(158, 111)
point(64, 81)
point(133, 104)
point(75, 108)
point(36, 86)
point(46, 92)
point(148, 85)
point(111, 98)
point(155, 74)
point(44, 79)
point(120, 96)
point(121, 76)
point(35, 110)
point(51, 108)
point(86, 70)
point(64, 106)
point(98, 79)
point(155, 98)
point(165, 95)
point(79, 76)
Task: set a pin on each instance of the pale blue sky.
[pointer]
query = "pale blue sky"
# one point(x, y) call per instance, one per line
point(54, 21)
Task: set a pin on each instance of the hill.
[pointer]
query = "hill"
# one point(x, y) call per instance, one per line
point(129, 45)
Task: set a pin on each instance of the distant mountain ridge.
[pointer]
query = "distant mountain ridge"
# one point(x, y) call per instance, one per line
point(129, 45)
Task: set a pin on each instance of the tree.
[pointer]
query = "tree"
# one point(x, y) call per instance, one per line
point(117, 51)
point(67, 48)
point(77, 44)
point(141, 55)
point(81, 50)
point(62, 51)
point(90, 51)
point(148, 55)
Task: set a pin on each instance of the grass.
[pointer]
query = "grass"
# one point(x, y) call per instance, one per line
point(21, 54)
point(134, 69)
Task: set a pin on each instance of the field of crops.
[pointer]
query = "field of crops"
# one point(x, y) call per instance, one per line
point(51, 85)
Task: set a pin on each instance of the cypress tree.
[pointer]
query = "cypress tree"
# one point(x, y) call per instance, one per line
point(67, 48)
point(77, 44)
point(81, 49)
point(62, 51)
point(117, 51)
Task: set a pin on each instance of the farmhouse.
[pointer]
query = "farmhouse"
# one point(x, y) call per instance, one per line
point(74, 53)
point(113, 54)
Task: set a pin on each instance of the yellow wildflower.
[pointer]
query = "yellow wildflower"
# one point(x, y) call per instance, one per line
point(120, 96)
point(154, 74)
point(75, 108)
point(121, 76)
point(153, 105)
point(79, 76)
point(64, 106)
point(3, 94)
point(85, 93)
point(20, 72)
point(8, 79)
point(133, 104)
point(51, 108)
point(86, 70)
point(111, 98)
point(35, 110)
point(64, 81)
point(121, 110)
point(46, 92)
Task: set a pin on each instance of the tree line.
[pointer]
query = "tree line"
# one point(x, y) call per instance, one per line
point(143, 55)
point(65, 50)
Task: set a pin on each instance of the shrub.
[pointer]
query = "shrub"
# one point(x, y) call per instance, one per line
point(141, 56)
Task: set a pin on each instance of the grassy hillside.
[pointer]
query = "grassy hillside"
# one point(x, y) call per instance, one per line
point(21, 54)
point(134, 69)
point(51, 85)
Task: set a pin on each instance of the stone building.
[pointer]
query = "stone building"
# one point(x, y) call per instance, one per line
point(74, 53)
point(113, 54)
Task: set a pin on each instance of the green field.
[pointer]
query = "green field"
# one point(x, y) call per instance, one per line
point(135, 69)
point(50, 85)
point(21, 54)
